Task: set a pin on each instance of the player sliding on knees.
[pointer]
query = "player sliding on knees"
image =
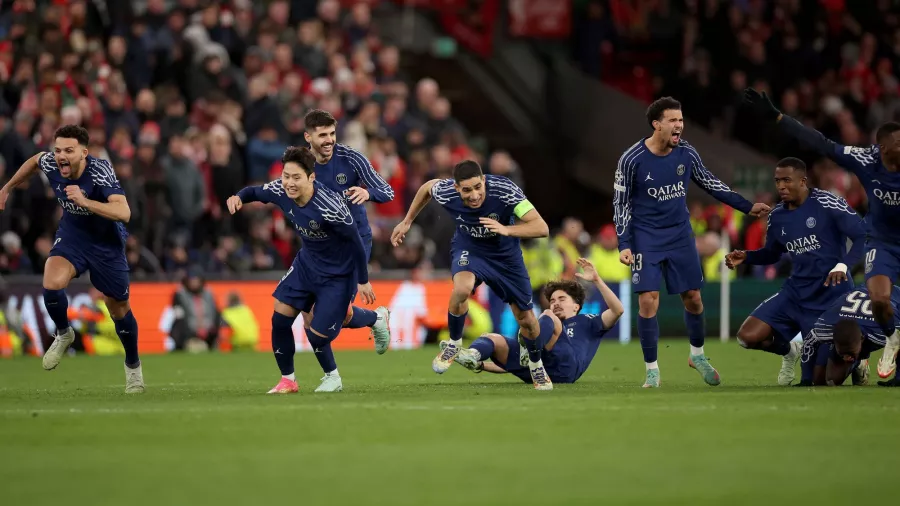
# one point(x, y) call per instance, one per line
point(654, 229)
point(327, 271)
point(485, 249)
point(878, 169)
point(91, 237)
point(813, 226)
point(843, 338)
point(568, 352)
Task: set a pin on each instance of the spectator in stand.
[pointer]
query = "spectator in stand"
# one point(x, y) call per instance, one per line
point(197, 319)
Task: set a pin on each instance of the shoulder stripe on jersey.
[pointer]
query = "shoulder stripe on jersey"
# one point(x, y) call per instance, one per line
point(865, 156)
point(443, 191)
point(702, 174)
point(364, 169)
point(333, 208)
point(622, 186)
point(275, 187)
point(103, 174)
point(47, 162)
point(829, 200)
point(504, 189)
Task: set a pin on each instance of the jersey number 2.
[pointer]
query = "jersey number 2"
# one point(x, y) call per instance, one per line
point(857, 302)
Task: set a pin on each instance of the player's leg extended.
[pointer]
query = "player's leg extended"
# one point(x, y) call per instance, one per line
point(648, 332)
point(58, 272)
point(127, 330)
point(378, 320)
point(283, 347)
point(481, 349)
point(770, 328)
point(534, 334)
point(696, 328)
point(463, 284)
point(880, 287)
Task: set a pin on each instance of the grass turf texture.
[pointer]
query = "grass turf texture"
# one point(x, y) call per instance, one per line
point(205, 433)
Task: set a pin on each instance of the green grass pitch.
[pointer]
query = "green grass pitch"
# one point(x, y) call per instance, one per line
point(206, 434)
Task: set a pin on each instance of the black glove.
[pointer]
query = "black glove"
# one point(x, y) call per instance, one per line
point(761, 104)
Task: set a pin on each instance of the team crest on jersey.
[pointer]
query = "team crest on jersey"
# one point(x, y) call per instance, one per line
point(313, 225)
point(811, 222)
point(680, 170)
point(635, 278)
point(341, 178)
point(494, 216)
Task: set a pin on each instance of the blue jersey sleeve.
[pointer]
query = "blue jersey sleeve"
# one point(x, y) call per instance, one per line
point(267, 193)
point(597, 329)
point(622, 200)
point(848, 223)
point(379, 190)
point(104, 177)
point(852, 158)
point(336, 213)
point(768, 254)
point(714, 186)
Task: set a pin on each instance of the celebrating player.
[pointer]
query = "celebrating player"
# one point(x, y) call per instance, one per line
point(91, 237)
point(813, 226)
point(878, 169)
point(486, 249)
point(343, 169)
point(654, 229)
point(843, 338)
point(325, 272)
point(572, 346)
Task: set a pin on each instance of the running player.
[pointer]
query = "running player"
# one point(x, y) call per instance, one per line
point(572, 346)
point(325, 272)
point(344, 170)
point(91, 237)
point(843, 338)
point(485, 249)
point(813, 226)
point(878, 169)
point(654, 229)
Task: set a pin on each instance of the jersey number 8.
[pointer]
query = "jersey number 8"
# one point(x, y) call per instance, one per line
point(637, 263)
point(857, 302)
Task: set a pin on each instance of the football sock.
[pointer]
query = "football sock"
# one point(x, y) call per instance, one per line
point(127, 330)
point(57, 305)
point(779, 346)
point(361, 318)
point(534, 346)
point(456, 324)
point(648, 331)
point(696, 329)
point(324, 354)
point(484, 346)
point(283, 343)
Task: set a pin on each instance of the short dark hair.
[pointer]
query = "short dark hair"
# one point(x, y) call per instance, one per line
point(886, 130)
point(571, 287)
point(77, 132)
point(846, 333)
point(302, 156)
point(318, 118)
point(793, 163)
point(660, 106)
point(466, 169)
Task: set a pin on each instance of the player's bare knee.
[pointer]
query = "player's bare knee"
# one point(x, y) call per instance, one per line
point(348, 317)
point(693, 302)
point(648, 302)
point(117, 308)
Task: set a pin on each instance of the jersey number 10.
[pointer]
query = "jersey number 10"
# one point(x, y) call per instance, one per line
point(857, 302)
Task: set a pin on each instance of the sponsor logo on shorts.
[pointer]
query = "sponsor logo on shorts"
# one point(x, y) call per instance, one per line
point(635, 278)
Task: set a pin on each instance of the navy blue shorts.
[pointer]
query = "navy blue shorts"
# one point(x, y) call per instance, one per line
point(109, 273)
point(506, 277)
point(561, 363)
point(680, 267)
point(784, 314)
point(882, 260)
point(301, 288)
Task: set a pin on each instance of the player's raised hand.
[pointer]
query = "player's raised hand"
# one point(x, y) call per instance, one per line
point(761, 104)
point(367, 293)
point(234, 204)
point(759, 210)
point(588, 271)
point(75, 195)
point(735, 258)
point(494, 226)
point(626, 257)
point(4, 195)
point(357, 195)
point(837, 275)
point(399, 233)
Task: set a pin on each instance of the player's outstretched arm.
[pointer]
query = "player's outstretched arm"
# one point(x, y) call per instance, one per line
point(265, 193)
point(530, 226)
point(849, 157)
point(28, 169)
point(116, 208)
point(767, 255)
point(616, 308)
point(422, 198)
point(719, 190)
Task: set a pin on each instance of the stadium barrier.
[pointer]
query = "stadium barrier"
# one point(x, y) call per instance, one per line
point(416, 306)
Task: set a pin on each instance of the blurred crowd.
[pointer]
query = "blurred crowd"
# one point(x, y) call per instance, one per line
point(830, 63)
point(192, 99)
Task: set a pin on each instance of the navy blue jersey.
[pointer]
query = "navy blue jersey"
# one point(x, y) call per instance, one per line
point(650, 202)
point(91, 232)
point(504, 202)
point(347, 168)
point(578, 343)
point(882, 187)
point(331, 241)
point(815, 235)
point(857, 306)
